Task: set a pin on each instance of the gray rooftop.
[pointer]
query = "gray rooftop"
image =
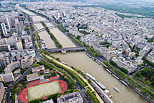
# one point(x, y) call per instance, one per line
point(8, 77)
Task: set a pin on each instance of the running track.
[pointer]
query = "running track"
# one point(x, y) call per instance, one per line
point(24, 93)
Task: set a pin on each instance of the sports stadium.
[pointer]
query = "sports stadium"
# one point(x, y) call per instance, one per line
point(43, 90)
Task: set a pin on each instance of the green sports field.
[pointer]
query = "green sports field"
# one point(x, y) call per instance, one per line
point(43, 90)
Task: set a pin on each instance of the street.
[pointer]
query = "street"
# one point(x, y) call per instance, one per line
point(9, 89)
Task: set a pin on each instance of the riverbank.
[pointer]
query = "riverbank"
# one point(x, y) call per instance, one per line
point(98, 97)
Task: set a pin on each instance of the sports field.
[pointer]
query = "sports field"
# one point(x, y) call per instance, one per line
point(43, 90)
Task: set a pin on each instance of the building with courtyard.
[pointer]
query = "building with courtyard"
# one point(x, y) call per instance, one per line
point(74, 97)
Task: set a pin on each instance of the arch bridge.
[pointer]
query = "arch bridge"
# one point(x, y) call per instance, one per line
point(71, 49)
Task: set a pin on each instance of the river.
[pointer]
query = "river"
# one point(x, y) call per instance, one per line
point(38, 18)
point(81, 61)
point(27, 11)
point(38, 26)
point(63, 39)
point(48, 41)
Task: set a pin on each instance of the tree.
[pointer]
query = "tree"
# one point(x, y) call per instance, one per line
point(93, 92)
point(89, 81)
point(107, 63)
point(58, 59)
point(146, 70)
point(92, 96)
point(5, 84)
point(124, 70)
point(17, 90)
point(152, 82)
point(139, 85)
point(78, 37)
point(72, 87)
point(148, 82)
point(76, 90)
point(19, 85)
point(113, 63)
point(118, 72)
point(36, 65)
point(148, 90)
point(34, 39)
point(94, 54)
point(144, 90)
point(47, 52)
point(132, 82)
point(22, 71)
point(88, 49)
point(53, 96)
point(51, 71)
point(98, 54)
point(138, 74)
point(60, 46)
point(36, 101)
point(152, 64)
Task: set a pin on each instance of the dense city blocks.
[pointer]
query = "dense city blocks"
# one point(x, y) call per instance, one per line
point(77, 51)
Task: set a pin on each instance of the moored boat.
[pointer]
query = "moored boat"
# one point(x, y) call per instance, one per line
point(124, 83)
point(115, 76)
point(108, 93)
point(88, 55)
point(116, 89)
point(91, 77)
point(100, 85)
point(108, 71)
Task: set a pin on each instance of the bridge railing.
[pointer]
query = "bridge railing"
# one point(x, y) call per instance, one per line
point(40, 21)
point(39, 30)
point(67, 49)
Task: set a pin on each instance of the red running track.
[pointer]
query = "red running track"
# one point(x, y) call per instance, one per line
point(33, 82)
point(24, 93)
point(55, 77)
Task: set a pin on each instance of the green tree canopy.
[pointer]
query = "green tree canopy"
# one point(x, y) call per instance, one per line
point(36, 65)
point(17, 90)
